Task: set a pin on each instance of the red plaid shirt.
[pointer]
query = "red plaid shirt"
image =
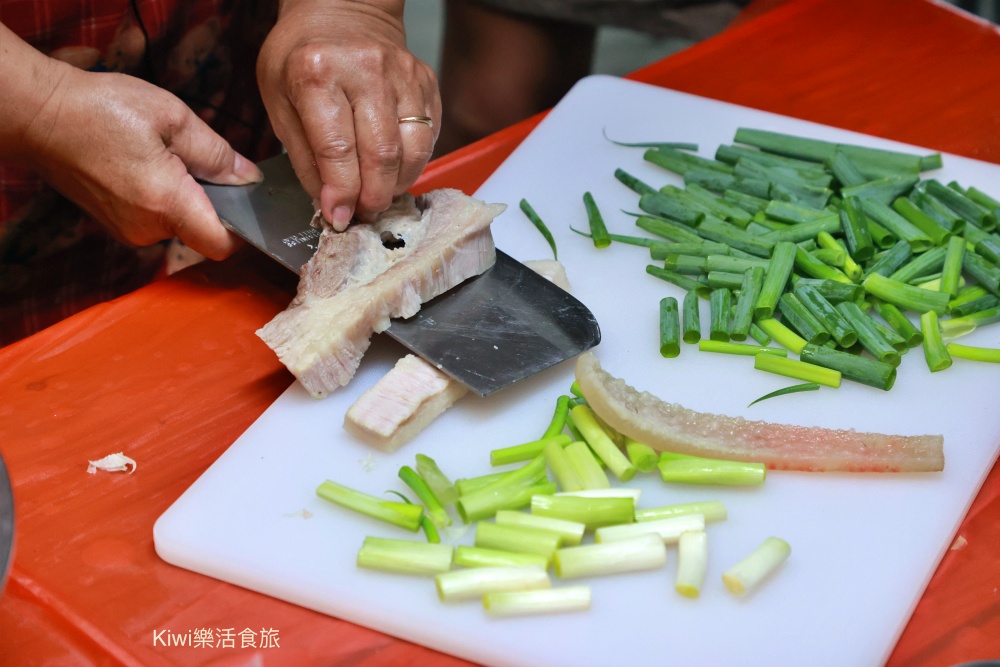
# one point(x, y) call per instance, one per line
point(53, 260)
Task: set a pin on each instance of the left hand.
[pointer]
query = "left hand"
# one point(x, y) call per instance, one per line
point(335, 76)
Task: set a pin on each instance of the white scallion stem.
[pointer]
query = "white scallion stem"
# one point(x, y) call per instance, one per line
point(752, 570)
point(541, 601)
point(713, 510)
point(516, 538)
point(617, 492)
point(669, 530)
point(466, 556)
point(404, 556)
point(570, 532)
point(459, 585)
point(603, 446)
point(692, 561)
point(644, 552)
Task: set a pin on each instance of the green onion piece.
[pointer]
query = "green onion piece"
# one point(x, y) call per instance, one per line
point(882, 190)
point(899, 323)
point(660, 250)
point(724, 280)
point(633, 183)
point(659, 204)
point(985, 273)
point(404, 556)
point(471, 584)
point(466, 556)
point(974, 353)
point(434, 509)
point(811, 266)
point(712, 510)
point(833, 291)
point(683, 282)
point(759, 335)
point(753, 281)
point(714, 229)
point(801, 319)
point(469, 485)
point(797, 369)
point(592, 512)
point(437, 480)
point(430, 530)
point(962, 205)
point(854, 367)
point(720, 307)
point(485, 503)
point(562, 467)
point(574, 389)
point(642, 456)
point(869, 335)
point(643, 552)
point(744, 349)
point(935, 352)
point(793, 389)
point(399, 514)
point(958, 326)
point(887, 263)
point(570, 532)
point(921, 267)
point(585, 464)
point(668, 529)
point(617, 492)
point(881, 237)
point(984, 200)
point(951, 272)
point(750, 572)
point(698, 470)
point(781, 334)
point(516, 538)
point(540, 226)
point(905, 296)
point(691, 317)
point(602, 445)
point(670, 328)
point(653, 144)
point(916, 217)
point(805, 230)
point(621, 238)
point(826, 313)
point(541, 601)
point(692, 563)
point(844, 169)
point(974, 306)
point(776, 277)
point(527, 451)
point(598, 230)
point(854, 224)
point(558, 421)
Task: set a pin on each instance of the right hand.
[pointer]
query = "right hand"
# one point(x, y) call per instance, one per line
point(128, 153)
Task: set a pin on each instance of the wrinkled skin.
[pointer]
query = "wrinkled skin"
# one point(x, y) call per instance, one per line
point(335, 77)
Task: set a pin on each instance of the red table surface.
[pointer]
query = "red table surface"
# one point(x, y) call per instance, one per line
point(173, 374)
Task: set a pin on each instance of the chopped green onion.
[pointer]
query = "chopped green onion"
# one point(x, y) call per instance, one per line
point(399, 514)
point(935, 352)
point(782, 334)
point(642, 456)
point(692, 563)
point(668, 529)
point(728, 347)
point(470, 584)
point(598, 230)
point(516, 538)
point(562, 467)
point(712, 510)
point(486, 502)
point(540, 226)
point(801, 318)
point(437, 480)
point(466, 556)
point(670, 328)
point(720, 307)
point(643, 552)
point(592, 512)
point(826, 313)
point(854, 367)
point(527, 451)
point(602, 445)
point(750, 572)
point(899, 323)
point(588, 469)
point(691, 317)
point(404, 556)
point(869, 335)
point(974, 353)
point(798, 369)
point(633, 183)
point(570, 532)
point(905, 296)
point(698, 470)
point(558, 422)
point(753, 280)
point(434, 509)
point(541, 601)
point(951, 271)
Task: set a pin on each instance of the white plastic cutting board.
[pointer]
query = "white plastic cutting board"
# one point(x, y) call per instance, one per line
point(864, 545)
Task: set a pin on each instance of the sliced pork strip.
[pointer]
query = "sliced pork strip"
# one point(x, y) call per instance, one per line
point(402, 403)
point(360, 278)
point(671, 427)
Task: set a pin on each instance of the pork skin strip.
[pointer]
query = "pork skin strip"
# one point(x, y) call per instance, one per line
point(670, 427)
point(360, 278)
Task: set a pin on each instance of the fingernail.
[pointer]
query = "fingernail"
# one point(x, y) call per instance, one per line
point(342, 217)
point(245, 171)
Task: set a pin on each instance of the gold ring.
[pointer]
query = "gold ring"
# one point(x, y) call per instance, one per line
point(426, 120)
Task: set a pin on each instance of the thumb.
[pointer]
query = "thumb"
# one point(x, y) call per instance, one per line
point(208, 156)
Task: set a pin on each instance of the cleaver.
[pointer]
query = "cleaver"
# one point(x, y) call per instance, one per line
point(488, 332)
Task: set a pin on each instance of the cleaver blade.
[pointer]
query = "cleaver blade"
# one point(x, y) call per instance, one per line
point(492, 330)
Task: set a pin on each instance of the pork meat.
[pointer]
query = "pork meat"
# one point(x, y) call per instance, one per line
point(360, 278)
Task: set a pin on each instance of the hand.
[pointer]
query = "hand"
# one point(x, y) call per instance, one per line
point(128, 153)
point(335, 77)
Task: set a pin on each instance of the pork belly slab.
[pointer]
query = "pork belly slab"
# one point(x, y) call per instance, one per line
point(360, 278)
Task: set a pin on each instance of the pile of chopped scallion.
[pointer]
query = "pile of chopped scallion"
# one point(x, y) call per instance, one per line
point(556, 510)
point(844, 256)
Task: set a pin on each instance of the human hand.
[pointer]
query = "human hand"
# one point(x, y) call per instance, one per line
point(335, 77)
point(128, 153)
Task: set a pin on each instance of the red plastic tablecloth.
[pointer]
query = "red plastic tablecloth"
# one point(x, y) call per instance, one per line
point(173, 374)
